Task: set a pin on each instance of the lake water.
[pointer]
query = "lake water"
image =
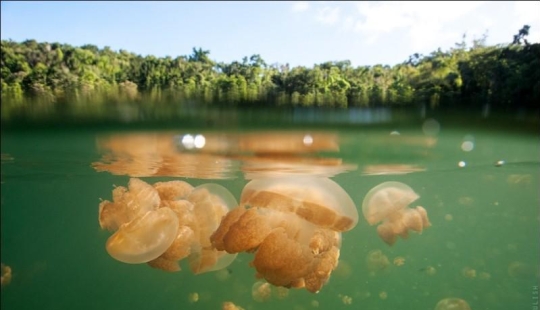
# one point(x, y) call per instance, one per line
point(478, 179)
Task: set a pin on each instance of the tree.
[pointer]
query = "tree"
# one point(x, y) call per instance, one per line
point(59, 73)
point(523, 32)
point(200, 55)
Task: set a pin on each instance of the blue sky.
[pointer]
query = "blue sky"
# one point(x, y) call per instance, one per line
point(297, 32)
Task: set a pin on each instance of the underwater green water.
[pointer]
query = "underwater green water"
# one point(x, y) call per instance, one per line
point(483, 246)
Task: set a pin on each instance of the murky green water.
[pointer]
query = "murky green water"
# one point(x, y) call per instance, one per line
point(483, 245)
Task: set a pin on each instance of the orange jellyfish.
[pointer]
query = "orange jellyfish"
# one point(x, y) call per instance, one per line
point(165, 223)
point(292, 225)
point(388, 202)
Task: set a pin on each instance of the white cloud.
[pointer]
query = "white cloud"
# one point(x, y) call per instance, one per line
point(527, 11)
point(347, 24)
point(422, 27)
point(300, 6)
point(423, 22)
point(328, 15)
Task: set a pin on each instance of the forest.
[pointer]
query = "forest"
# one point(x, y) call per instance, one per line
point(54, 74)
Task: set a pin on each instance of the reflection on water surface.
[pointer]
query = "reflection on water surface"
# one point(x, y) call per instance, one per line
point(215, 156)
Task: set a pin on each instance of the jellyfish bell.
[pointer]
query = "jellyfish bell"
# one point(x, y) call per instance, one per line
point(389, 203)
point(385, 199)
point(292, 225)
point(317, 200)
point(144, 238)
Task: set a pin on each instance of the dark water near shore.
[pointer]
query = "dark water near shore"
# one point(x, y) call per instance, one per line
point(477, 177)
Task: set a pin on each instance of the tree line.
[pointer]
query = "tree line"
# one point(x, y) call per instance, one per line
point(34, 73)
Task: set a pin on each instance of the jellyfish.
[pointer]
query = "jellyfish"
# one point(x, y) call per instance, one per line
point(452, 304)
point(399, 261)
point(5, 272)
point(377, 261)
point(162, 224)
point(261, 291)
point(468, 272)
point(193, 297)
point(518, 269)
point(388, 202)
point(292, 225)
point(343, 270)
point(345, 299)
point(229, 305)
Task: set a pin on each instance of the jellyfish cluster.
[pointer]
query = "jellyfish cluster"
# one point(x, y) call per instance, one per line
point(292, 226)
point(165, 223)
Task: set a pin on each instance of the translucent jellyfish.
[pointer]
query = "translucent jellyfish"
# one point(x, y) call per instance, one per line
point(229, 305)
point(223, 274)
point(5, 272)
point(399, 261)
point(293, 226)
point(165, 223)
point(518, 269)
point(388, 202)
point(484, 275)
point(468, 272)
point(343, 270)
point(193, 297)
point(261, 291)
point(430, 270)
point(280, 292)
point(452, 304)
point(346, 300)
point(377, 261)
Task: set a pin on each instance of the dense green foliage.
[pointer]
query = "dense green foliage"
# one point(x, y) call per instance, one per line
point(51, 74)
